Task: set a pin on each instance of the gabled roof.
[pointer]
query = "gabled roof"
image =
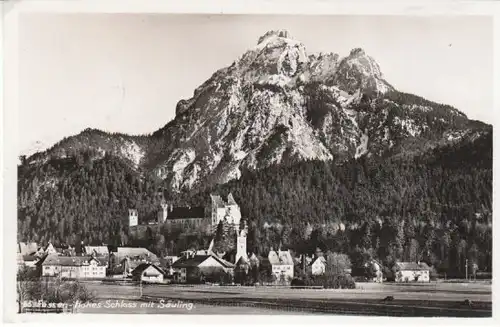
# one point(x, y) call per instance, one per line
point(230, 200)
point(55, 260)
point(29, 257)
point(280, 258)
point(143, 266)
point(196, 260)
point(217, 201)
point(122, 252)
point(320, 259)
point(412, 266)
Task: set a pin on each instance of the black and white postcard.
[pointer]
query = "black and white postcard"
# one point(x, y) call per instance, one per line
point(337, 162)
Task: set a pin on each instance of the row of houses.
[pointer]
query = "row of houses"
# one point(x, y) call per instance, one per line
point(139, 263)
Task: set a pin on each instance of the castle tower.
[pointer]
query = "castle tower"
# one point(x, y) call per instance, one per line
point(133, 217)
point(162, 213)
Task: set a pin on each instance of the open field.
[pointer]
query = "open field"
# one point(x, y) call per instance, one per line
point(434, 299)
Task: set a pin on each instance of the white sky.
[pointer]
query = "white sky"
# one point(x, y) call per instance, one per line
point(126, 72)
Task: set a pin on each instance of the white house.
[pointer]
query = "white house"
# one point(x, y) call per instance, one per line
point(282, 265)
point(318, 266)
point(72, 267)
point(412, 272)
point(148, 272)
point(206, 264)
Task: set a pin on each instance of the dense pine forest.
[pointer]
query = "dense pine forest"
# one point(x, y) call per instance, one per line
point(435, 206)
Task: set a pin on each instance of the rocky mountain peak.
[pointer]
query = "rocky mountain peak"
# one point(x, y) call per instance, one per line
point(274, 34)
point(359, 71)
point(275, 104)
point(357, 52)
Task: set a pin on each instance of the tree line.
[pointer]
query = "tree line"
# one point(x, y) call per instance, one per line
point(434, 207)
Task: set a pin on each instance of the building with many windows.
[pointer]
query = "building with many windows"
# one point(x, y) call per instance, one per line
point(72, 267)
point(282, 265)
point(412, 272)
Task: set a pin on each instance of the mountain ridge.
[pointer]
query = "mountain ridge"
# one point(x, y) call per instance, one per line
point(275, 104)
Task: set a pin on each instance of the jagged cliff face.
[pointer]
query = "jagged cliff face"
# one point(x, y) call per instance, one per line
point(278, 104)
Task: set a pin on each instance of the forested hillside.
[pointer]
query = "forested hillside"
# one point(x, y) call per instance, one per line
point(436, 206)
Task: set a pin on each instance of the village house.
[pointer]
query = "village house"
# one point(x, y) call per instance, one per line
point(411, 272)
point(281, 265)
point(206, 265)
point(98, 251)
point(125, 259)
point(148, 272)
point(54, 265)
point(317, 266)
point(30, 260)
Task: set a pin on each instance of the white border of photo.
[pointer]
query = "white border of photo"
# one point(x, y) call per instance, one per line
point(11, 9)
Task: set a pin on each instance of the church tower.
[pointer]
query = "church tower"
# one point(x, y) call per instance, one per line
point(241, 245)
point(133, 217)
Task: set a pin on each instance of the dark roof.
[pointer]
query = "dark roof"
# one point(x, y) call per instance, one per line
point(190, 262)
point(412, 266)
point(196, 260)
point(186, 213)
point(29, 257)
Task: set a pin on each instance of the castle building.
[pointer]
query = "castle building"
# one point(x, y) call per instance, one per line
point(228, 210)
point(193, 216)
point(182, 216)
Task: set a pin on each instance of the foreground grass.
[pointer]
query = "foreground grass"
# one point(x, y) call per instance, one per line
point(439, 300)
